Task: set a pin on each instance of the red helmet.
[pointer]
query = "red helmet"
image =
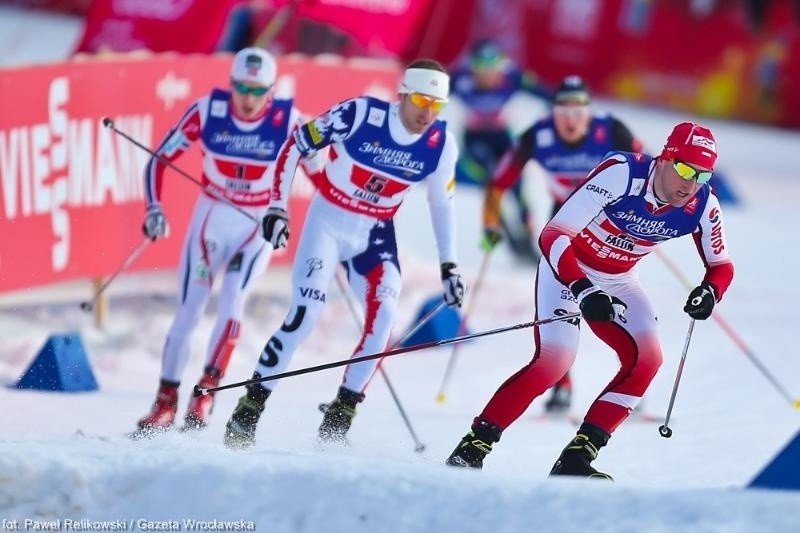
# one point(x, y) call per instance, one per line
point(692, 144)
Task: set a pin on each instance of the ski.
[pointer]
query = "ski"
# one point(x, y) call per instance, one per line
point(641, 416)
point(147, 433)
point(635, 416)
point(82, 434)
point(558, 417)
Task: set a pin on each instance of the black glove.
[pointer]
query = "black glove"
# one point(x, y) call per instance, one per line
point(155, 223)
point(701, 302)
point(275, 227)
point(453, 285)
point(596, 304)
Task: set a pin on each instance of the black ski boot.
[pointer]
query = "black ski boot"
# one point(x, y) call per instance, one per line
point(475, 445)
point(560, 400)
point(339, 416)
point(577, 457)
point(240, 431)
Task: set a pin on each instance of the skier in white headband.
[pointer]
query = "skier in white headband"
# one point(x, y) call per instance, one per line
point(377, 152)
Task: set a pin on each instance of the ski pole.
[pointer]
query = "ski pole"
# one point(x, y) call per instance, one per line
point(89, 305)
point(665, 430)
point(108, 123)
point(737, 340)
point(200, 391)
point(462, 328)
point(343, 286)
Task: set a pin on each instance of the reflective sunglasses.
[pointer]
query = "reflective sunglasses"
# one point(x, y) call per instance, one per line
point(426, 102)
point(689, 173)
point(241, 88)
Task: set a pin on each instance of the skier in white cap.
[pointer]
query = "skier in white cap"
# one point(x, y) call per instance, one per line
point(378, 152)
point(240, 130)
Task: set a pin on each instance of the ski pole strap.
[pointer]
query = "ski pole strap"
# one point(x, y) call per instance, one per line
point(199, 391)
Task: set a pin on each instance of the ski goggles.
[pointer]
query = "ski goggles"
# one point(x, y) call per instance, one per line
point(258, 90)
point(689, 173)
point(426, 102)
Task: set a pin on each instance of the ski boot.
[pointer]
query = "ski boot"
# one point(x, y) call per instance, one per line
point(240, 431)
point(560, 400)
point(162, 414)
point(200, 407)
point(475, 445)
point(339, 416)
point(576, 458)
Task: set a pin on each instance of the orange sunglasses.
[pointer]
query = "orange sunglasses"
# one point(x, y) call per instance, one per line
point(425, 102)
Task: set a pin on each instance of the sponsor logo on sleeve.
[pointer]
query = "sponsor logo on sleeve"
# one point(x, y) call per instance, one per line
point(599, 190)
point(314, 133)
point(717, 242)
point(376, 117)
point(545, 138)
point(219, 108)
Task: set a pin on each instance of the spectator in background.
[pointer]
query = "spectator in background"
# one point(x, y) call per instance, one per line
point(242, 28)
point(485, 86)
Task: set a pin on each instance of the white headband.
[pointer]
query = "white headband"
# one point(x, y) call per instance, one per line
point(433, 83)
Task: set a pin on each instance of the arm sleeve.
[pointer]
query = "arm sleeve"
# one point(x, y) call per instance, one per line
point(712, 246)
point(509, 169)
point(623, 139)
point(605, 184)
point(175, 143)
point(441, 201)
point(335, 125)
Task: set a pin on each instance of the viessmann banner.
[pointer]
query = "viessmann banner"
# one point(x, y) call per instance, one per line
point(71, 190)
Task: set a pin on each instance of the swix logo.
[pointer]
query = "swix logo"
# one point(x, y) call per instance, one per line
point(170, 89)
point(600, 135)
point(713, 216)
point(69, 162)
point(434, 138)
point(691, 206)
point(312, 294)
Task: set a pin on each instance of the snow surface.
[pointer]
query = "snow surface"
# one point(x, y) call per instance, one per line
point(64, 456)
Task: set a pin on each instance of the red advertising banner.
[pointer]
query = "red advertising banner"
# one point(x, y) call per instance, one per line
point(71, 190)
point(157, 25)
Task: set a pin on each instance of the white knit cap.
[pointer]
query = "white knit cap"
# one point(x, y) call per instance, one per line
point(254, 65)
point(433, 83)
